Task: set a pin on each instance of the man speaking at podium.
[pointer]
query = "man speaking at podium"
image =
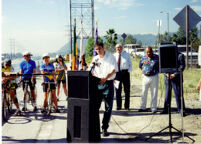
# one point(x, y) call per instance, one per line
point(104, 67)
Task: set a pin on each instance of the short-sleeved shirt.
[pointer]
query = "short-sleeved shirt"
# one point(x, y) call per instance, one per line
point(61, 74)
point(149, 66)
point(104, 66)
point(27, 68)
point(9, 69)
point(47, 68)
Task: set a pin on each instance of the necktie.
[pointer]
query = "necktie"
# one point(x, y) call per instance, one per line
point(119, 62)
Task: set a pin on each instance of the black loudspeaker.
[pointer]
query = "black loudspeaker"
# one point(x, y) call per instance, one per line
point(83, 123)
point(168, 60)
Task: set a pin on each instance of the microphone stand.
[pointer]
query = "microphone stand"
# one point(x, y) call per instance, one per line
point(169, 114)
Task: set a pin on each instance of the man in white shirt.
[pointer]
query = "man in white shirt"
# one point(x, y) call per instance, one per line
point(124, 65)
point(104, 67)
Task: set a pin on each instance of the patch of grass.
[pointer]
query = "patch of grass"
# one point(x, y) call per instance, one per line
point(191, 77)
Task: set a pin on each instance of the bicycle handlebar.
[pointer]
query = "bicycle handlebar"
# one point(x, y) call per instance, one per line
point(36, 74)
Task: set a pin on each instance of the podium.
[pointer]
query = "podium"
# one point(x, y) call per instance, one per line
point(83, 124)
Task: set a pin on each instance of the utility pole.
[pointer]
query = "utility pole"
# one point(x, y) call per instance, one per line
point(200, 31)
point(187, 31)
point(12, 48)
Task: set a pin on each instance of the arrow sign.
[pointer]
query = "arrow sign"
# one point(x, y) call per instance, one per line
point(123, 35)
point(193, 18)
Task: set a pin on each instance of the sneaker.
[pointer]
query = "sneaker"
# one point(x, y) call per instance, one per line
point(43, 111)
point(105, 133)
point(17, 113)
point(57, 110)
point(35, 109)
point(24, 109)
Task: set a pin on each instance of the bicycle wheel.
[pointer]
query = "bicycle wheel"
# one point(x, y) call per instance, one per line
point(10, 103)
point(49, 104)
point(33, 102)
point(4, 109)
point(26, 97)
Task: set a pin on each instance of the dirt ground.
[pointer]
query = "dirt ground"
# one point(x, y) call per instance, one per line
point(136, 127)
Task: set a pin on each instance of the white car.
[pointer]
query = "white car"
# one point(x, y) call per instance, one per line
point(139, 52)
point(192, 58)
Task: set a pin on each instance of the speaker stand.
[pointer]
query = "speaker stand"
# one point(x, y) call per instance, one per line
point(170, 127)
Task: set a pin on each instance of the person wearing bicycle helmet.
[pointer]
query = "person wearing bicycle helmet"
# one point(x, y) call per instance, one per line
point(10, 83)
point(60, 68)
point(28, 67)
point(48, 68)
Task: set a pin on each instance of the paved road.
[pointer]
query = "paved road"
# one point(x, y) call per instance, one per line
point(35, 127)
point(125, 126)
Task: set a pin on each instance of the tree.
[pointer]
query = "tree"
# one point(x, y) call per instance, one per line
point(164, 38)
point(111, 40)
point(130, 39)
point(180, 36)
point(139, 42)
point(90, 46)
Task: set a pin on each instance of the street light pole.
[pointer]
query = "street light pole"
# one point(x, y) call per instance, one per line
point(167, 20)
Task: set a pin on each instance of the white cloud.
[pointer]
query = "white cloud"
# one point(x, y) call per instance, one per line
point(121, 4)
point(194, 1)
point(178, 9)
point(196, 8)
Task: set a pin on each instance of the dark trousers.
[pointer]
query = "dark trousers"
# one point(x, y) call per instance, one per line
point(106, 92)
point(175, 84)
point(124, 78)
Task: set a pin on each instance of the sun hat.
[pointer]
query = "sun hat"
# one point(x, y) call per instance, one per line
point(27, 53)
point(45, 55)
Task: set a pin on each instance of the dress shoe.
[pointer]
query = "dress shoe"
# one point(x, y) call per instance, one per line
point(154, 112)
point(105, 133)
point(164, 112)
point(142, 110)
point(127, 109)
point(118, 108)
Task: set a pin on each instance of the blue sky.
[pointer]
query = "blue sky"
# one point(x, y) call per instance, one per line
point(42, 25)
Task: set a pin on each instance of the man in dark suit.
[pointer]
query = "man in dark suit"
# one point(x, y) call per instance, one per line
point(175, 83)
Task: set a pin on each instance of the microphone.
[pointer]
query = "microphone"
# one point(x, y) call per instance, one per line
point(95, 63)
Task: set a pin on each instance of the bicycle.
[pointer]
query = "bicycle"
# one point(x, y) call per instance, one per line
point(5, 111)
point(27, 95)
point(50, 104)
point(7, 103)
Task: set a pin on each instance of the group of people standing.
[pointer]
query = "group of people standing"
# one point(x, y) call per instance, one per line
point(111, 69)
point(117, 67)
point(55, 74)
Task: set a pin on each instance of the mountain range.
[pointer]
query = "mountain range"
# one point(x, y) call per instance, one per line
point(147, 39)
